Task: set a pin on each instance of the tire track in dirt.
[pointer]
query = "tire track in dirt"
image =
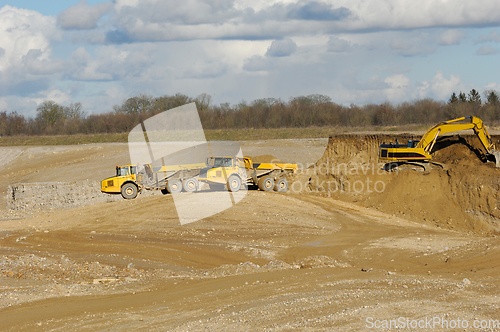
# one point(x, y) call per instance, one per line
point(9, 154)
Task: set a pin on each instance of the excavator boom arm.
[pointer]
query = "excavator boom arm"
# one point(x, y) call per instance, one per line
point(429, 138)
point(422, 150)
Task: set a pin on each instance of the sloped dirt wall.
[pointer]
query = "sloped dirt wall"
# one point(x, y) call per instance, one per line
point(463, 197)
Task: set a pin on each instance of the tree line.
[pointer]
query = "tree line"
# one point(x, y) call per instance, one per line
point(303, 111)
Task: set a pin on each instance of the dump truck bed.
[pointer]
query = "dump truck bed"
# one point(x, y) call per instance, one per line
point(274, 166)
point(175, 168)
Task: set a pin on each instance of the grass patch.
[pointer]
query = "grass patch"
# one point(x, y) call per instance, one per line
point(63, 139)
point(211, 135)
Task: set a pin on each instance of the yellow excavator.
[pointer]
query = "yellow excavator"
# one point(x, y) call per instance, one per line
point(420, 152)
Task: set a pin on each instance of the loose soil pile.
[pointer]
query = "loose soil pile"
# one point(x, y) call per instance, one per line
point(464, 196)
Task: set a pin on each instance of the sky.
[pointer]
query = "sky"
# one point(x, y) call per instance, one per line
point(99, 53)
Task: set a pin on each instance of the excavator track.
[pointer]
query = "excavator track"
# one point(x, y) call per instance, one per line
point(414, 165)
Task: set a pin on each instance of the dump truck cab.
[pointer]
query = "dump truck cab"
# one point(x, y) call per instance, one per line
point(231, 162)
point(220, 169)
point(124, 182)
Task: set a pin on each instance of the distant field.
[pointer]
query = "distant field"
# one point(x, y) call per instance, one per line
point(211, 135)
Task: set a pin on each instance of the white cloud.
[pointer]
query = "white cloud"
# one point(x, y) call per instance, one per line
point(440, 87)
point(111, 62)
point(338, 45)
point(25, 38)
point(487, 50)
point(413, 45)
point(216, 19)
point(409, 14)
point(80, 56)
point(35, 63)
point(82, 16)
point(398, 87)
point(18, 104)
point(493, 36)
point(205, 69)
point(281, 48)
point(216, 46)
point(27, 105)
point(258, 5)
point(85, 68)
point(451, 37)
point(119, 4)
point(492, 86)
point(56, 95)
point(373, 83)
point(256, 63)
point(397, 81)
point(23, 30)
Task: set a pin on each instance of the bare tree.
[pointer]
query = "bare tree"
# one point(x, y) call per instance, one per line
point(49, 112)
point(138, 104)
point(203, 101)
point(74, 111)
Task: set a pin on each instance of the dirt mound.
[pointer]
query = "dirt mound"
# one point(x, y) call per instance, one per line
point(458, 150)
point(464, 197)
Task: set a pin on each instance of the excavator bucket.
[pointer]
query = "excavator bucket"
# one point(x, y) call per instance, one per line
point(496, 155)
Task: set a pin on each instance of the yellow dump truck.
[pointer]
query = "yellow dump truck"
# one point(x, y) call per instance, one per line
point(235, 171)
point(131, 179)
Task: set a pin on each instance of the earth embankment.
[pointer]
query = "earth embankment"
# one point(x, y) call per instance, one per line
point(461, 196)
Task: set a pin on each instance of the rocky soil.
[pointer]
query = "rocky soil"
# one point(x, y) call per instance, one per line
point(72, 259)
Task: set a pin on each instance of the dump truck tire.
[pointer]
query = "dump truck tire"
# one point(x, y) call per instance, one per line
point(233, 183)
point(190, 185)
point(281, 185)
point(174, 186)
point(266, 183)
point(129, 191)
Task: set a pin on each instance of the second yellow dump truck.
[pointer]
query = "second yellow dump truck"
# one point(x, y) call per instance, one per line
point(233, 172)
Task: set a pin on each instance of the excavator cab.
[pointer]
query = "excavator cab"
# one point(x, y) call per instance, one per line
point(412, 143)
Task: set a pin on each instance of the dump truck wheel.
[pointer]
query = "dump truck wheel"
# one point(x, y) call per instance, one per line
point(190, 185)
point(266, 183)
point(281, 185)
point(233, 183)
point(174, 186)
point(129, 191)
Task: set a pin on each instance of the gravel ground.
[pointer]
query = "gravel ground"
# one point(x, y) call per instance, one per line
point(273, 262)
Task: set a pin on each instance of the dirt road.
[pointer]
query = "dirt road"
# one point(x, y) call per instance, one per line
point(295, 261)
